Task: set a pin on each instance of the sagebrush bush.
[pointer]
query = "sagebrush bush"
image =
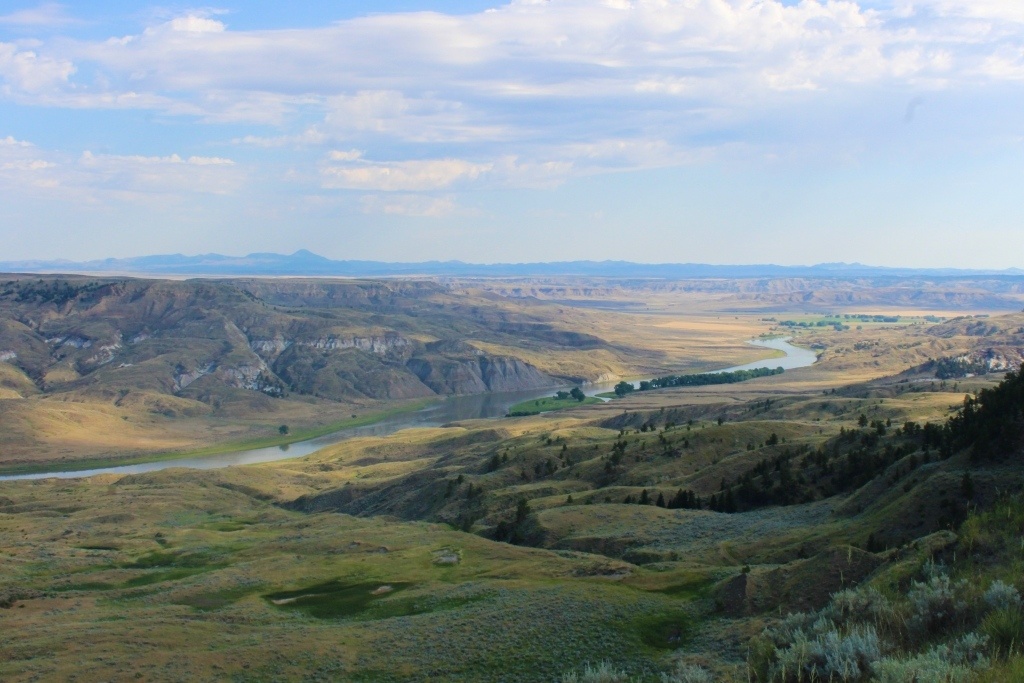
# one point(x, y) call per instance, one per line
point(937, 606)
point(1001, 596)
point(602, 673)
point(829, 656)
point(924, 668)
point(971, 650)
point(841, 643)
point(785, 632)
point(688, 673)
point(862, 606)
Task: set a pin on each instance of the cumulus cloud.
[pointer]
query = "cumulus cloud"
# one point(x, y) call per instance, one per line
point(195, 24)
point(25, 71)
point(310, 136)
point(25, 168)
point(9, 141)
point(391, 113)
point(350, 155)
point(557, 48)
point(405, 176)
point(163, 175)
point(409, 205)
point(533, 91)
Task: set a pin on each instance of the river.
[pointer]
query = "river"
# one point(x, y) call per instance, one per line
point(453, 409)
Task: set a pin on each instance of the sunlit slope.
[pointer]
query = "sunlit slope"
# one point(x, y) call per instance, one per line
point(188, 364)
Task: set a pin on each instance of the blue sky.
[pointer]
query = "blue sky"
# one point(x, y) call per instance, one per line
point(719, 131)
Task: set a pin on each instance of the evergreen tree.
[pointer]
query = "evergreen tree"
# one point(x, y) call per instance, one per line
point(729, 505)
point(967, 486)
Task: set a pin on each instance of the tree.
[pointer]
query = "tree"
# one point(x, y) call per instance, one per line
point(645, 498)
point(623, 388)
point(862, 420)
point(282, 430)
point(578, 394)
point(661, 500)
point(729, 502)
point(967, 486)
point(773, 440)
point(514, 532)
point(522, 511)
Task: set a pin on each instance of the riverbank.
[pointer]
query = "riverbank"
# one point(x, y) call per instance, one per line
point(422, 414)
point(547, 405)
point(282, 441)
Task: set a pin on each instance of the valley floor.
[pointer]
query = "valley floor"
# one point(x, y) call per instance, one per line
point(661, 535)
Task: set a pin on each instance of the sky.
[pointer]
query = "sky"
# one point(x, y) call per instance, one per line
point(887, 132)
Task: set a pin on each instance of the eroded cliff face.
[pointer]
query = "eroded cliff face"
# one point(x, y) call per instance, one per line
point(479, 374)
point(374, 295)
point(199, 339)
point(388, 343)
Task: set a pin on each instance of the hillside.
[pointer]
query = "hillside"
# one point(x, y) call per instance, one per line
point(622, 537)
point(665, 533)
point(158, 354)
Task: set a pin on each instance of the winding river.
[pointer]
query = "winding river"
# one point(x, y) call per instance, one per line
point(491, 405)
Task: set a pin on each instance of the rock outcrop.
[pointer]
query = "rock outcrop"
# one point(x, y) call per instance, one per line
point(202, 340)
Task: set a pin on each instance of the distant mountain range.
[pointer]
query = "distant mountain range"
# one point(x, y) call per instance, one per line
point(306, 263)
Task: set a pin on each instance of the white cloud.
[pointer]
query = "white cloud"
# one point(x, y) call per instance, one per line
point(400, 176)
point(195, 24)
point(537, 90)
point(409, 205)
point(350, 155)
point(310, 136)
point(28, 72)
point(391, 113)
point(9, 141)
point(24, 167)
point(46, 14)
point(160, 175)
point(92, 178)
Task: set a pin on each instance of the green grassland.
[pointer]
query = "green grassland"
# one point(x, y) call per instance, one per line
point(518, 549)
point(276, 594)
point(548, 404)
point(299, 570)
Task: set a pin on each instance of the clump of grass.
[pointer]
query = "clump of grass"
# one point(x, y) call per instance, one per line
point(601, 673)
point(688, 673)
point(1005, 628)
